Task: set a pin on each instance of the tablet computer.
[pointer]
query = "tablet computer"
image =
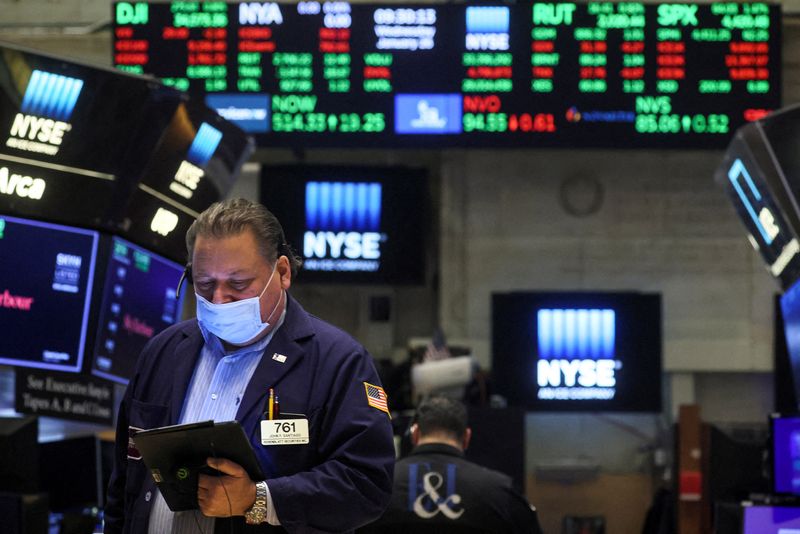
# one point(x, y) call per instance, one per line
point(177, 454)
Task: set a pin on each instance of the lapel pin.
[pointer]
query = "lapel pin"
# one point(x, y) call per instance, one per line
point(279, 358)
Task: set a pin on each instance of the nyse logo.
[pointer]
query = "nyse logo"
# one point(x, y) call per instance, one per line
point(576, 349)
point(22, 186)
point(351, 245)
point(186, 180)
point(342, 226)
point(164, 222)
point(487, 28)
point(46, 108)
point(190, 172)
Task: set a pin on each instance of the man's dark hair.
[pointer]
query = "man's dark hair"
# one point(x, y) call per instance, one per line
point(234, 216)
point(440, 414)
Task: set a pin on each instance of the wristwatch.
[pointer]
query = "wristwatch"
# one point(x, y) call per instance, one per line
point(257, 513)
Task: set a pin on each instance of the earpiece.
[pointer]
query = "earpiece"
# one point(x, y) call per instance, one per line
point(187, 275)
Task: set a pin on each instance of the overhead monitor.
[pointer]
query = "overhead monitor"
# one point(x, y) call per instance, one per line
point(74, 138)
point(576, 351)
point(785, 453)
point(19, 467)
point(195, 164)
point(139, 301)
point(352, 224)
point(761, 174)
point(46, 280)
point(790, 314)
point(771, 520)
point(528, 74)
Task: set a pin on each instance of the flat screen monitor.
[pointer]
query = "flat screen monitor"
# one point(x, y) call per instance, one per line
point(759, 171)
point(80, 481)
point(195, 164)
point(352, 224)
point(771, 520)
point(19, 454)
point(46, 280)
point(576, 351)
point(139, 300)
point(74, 137)
point(790, 312)
point(434, 75)
point(785, 452)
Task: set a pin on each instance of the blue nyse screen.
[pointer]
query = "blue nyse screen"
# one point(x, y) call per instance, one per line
point(352, 224)
point(46, 277)
point(578, 351)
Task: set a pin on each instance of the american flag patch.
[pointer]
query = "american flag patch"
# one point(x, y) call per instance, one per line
point(376, 397)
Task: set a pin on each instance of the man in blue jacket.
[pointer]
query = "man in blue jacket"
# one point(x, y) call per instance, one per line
point(251, 337)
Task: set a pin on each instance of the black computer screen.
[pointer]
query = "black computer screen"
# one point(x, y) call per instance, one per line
point(19, 454)
point(790, 311)
point(75, 138)
point(352, 224)
point(139, 300)
point(575, 351)
point(785, 438)
point(46, 277)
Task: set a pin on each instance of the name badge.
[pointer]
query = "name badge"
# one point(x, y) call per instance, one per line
point(284, 432)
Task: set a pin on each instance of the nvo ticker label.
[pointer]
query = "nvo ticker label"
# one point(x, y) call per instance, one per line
point(576, 350)
point(343, 226)
point(44, 113)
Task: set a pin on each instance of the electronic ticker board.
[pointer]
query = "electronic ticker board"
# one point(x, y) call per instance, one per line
point(595, 74)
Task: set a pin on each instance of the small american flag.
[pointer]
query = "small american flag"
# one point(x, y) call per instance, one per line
point(376, 397)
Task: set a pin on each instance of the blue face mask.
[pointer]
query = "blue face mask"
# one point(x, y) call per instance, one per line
point(235, 322)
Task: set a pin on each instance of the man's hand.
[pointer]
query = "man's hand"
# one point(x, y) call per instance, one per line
point(226, 495)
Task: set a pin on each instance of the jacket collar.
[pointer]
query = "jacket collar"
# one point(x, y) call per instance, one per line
point(437, 448)
point(273, 366)
point(282, 353)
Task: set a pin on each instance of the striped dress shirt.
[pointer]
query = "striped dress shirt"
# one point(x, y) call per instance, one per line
point(217, 387)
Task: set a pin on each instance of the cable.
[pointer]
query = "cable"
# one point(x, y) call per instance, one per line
point(227, 497)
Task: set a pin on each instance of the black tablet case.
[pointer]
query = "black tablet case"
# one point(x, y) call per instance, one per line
point(177, 454)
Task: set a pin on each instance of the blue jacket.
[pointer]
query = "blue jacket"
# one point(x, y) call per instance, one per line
point(339, 481)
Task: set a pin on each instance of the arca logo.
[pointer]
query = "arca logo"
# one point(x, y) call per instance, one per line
point(44, 113)
point(20, 185)
point(164, 222)
point(343, 219)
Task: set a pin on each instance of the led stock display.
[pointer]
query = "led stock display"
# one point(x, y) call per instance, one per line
point(139, 301)
point(578, 351)
point(595, 74)
point(46, 277)
point(351, 224)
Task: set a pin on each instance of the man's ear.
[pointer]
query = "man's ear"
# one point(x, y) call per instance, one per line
point(284, 269)
point(467, 438)
point(414, 434)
